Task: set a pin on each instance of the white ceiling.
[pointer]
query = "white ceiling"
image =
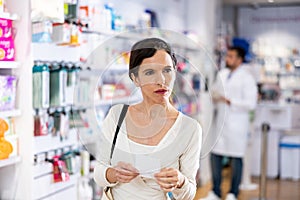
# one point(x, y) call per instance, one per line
point(241, 2)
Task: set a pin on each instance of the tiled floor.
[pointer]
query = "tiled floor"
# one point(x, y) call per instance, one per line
point(276, 189)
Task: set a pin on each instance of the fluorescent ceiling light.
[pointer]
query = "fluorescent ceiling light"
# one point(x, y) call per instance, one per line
point(271, 1)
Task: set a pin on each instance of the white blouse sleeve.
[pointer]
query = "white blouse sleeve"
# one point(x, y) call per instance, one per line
point(107, 130)
point(189, 164)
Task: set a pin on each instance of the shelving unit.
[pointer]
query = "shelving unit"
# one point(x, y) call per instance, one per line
point(28, 144)
point(10, 113)
point(48, 189)
point(127, 100)
point(9, 64)
point(43, 144)
point(10, 16)
point(9, 166)
point(10, 161)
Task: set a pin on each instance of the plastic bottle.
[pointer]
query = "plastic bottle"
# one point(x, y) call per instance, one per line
point(40, 81)
point(85, 163)
point(111, 19)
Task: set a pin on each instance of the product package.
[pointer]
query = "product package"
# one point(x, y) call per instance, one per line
point(7, 47)
point(7, 92)
point(60, 171)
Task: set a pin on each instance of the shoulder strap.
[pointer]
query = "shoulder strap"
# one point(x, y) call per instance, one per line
point(121, 118)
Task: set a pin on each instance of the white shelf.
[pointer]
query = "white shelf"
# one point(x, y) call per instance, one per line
point(10, 161)
point(47, 143)
point(11, 16)
point(44, 186)
point(10, 113)
point(9, 65)
point(126, 100)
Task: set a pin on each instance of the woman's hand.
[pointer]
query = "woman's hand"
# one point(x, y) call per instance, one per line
point(122, 173)
point(169, 179)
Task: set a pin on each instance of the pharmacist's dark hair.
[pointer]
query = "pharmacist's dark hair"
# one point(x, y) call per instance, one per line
point(239, 51)
point(145, 49)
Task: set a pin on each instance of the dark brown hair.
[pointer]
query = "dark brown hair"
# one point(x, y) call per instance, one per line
point(145, 49)
point(240, 52)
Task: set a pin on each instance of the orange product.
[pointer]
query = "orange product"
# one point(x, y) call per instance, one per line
point(5, 147)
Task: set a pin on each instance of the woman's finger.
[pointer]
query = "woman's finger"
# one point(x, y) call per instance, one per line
point(167, 172)
point(124, 179)
point(166, 186)
point(127, 166)
point(168, 179)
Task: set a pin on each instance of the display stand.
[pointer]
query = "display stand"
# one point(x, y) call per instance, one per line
point(263, 165)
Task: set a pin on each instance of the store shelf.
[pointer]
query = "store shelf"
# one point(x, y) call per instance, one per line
point(47, 188)
point(10, 113)
point(9, 65)
point(104, 33)
point(11, 16)
point(126, 100)
point(47, 143)
point(187, 45)
point(10, 161)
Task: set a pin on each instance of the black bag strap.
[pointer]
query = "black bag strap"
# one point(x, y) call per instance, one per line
point(121, 118)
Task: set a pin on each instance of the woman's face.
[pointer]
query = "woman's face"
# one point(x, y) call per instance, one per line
point(156, 76)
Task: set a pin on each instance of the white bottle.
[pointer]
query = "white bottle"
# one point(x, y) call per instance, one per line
point(85, 163)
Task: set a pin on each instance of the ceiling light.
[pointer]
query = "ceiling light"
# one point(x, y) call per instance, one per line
point(271, 1)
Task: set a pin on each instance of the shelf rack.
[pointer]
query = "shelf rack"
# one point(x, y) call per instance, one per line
point(10, 161)
point(11, 16)
point(9, 65)
point(10, 113)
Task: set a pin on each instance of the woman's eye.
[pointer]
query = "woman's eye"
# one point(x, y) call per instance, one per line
point(148, 73)
point(168, 70)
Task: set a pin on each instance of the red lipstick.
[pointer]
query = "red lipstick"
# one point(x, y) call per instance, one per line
point(161, 91)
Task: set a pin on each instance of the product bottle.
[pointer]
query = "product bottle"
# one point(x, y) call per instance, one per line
point(85, 163)
point(40, 81)
point(111, 18)
point(74, 34)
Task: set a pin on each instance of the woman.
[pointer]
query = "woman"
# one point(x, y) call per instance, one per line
point(158, 148)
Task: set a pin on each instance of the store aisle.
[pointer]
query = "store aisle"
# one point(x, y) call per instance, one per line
point(276, 189)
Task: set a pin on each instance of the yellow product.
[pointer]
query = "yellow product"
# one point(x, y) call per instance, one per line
point(2, 54)
point(5, 147)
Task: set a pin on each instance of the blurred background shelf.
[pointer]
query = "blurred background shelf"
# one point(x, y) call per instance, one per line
point(10, 16)
point(9, 64)
point(10, 113)
point(124, 100)
point(10, 161)
point(47, 143)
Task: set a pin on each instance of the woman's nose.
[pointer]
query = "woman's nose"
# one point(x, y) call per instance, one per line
point(160, 79)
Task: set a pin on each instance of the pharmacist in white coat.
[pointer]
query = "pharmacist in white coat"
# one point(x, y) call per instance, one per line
point(234, 95)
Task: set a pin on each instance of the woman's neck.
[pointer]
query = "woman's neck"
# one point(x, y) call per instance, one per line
point(156, 110)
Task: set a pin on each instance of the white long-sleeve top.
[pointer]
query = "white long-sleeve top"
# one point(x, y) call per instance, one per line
point(232, 120)
point(179, 149)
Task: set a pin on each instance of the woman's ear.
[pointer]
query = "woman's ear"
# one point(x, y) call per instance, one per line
point(135, 80)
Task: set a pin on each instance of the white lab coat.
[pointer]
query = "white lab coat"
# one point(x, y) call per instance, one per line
point(232, 121)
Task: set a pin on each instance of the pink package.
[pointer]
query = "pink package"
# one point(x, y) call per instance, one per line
point(6, 29)
point(7, 47)
point(7, 92)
